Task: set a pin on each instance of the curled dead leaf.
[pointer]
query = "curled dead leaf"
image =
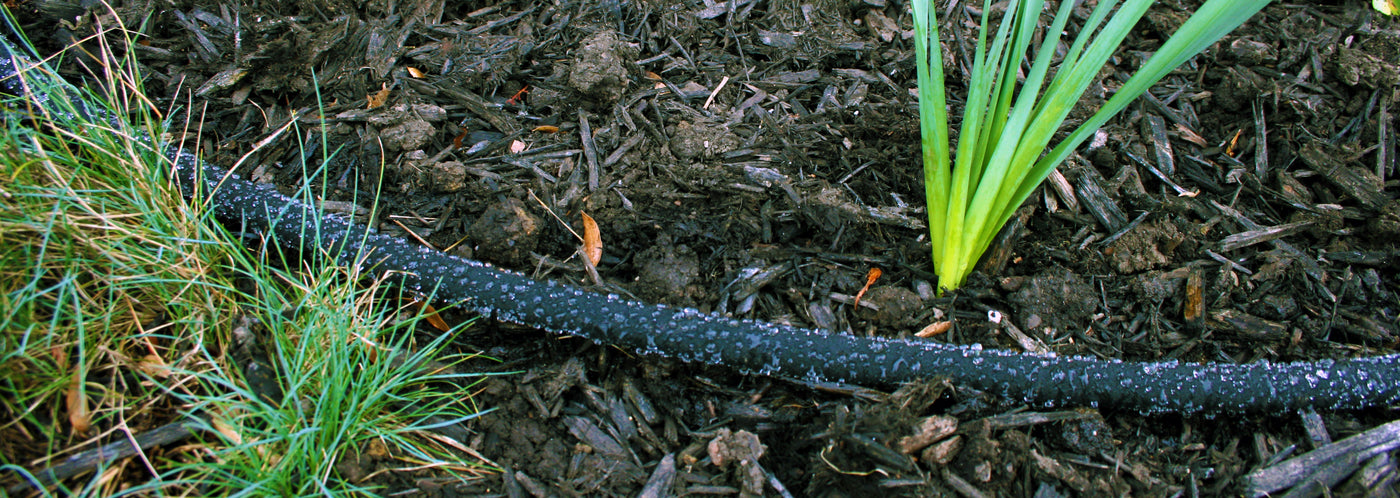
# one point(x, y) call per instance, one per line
point(415, 72)
point(377, 99)
point(546, 129)
point(870, 278)
point(154, 366)
point(934, 329)
point(592, 240)
point(1230, 148)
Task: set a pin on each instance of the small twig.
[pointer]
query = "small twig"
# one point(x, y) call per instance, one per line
point(711, 98)
point(93, 459)
point(556, 217)
point(590, 150)
point(264, 142)
point(411, 233)
point(588, 267)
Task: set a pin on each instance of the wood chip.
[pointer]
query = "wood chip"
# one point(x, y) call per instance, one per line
point(943, 451)
point(1357, 182)
point(928, 431)
point(1251, 237)
point(1252, 326)
point(1098, 202)
point(1156, 131)
point(1324, 466)
point(1193, 312)
point(659, 484)
point(590, 150)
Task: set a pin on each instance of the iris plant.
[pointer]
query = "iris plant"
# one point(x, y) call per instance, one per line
point(1008, 123)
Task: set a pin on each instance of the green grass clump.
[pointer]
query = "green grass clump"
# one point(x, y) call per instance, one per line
point(122, 307)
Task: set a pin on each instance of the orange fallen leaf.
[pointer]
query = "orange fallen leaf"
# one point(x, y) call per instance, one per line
point(431, 315)
point(379, 98)
point(653, 76)
point(415, 72)
point(546, 129)
point(592, 240)
point(870, 278)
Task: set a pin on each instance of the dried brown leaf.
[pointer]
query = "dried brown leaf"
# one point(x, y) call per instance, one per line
point(154, 366)
point(870, 278)
point(431, 315)
point(378, 98)
point(592, 240)
point(78, 415)
point(934, 329)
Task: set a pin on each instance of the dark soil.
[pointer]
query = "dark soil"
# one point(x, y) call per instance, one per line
point(758, 159)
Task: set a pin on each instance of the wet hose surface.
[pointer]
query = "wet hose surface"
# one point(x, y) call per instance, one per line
point(748, 345)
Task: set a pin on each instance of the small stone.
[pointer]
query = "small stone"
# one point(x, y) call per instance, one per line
point(734, 447)
point(506, 233)
point(898, 306)
point(600, 71)
point(690, 141)
point(447, 176)
point(409, 135)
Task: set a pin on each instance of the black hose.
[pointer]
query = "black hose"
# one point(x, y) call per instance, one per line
point(761, 347)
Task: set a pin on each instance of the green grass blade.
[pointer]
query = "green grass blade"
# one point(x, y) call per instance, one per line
point(933, 119)
point(1016, 164)
point(1005, 130)
point(1208, 25)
